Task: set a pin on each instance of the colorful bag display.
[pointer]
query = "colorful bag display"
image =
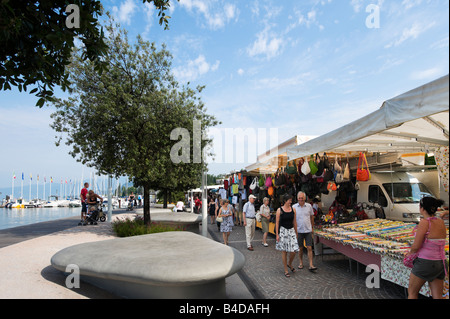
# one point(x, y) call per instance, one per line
point(362, 174)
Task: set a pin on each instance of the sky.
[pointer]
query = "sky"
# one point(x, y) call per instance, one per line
point(272, 68)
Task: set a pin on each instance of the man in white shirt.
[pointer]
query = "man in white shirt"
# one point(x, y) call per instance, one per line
point(305, 224)
point(249, 217)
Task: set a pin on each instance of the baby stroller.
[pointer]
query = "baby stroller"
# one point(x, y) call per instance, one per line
point(94, 214)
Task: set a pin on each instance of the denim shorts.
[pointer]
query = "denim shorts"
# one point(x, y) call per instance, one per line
point(428, 270)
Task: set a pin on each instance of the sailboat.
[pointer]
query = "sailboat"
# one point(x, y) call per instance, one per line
point(52, 203)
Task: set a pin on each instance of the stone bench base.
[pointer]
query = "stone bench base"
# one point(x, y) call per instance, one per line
point(180, 265)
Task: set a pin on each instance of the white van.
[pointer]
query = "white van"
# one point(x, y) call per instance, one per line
point(398, 193)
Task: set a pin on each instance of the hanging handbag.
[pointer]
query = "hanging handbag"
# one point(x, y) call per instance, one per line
point(326, 161)
point(346, 175)
point(328, 175)
point(320, 165)
point(261, 181)
point(312, 165)
point(290, 169)
point(337, 167)
point(268, 181)
point(362, 174)
point(305, 169)
point(254, 183)
point(331, 186)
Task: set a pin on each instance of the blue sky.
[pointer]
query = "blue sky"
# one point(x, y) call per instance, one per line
point(302, 67)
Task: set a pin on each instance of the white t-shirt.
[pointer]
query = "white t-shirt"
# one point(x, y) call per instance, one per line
point(303, 217)
point(180, 205)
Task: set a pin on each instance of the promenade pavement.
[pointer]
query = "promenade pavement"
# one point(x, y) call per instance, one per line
point(25, 254)
point(263, 273)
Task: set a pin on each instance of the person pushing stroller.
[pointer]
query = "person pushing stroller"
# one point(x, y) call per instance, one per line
point(92, 204)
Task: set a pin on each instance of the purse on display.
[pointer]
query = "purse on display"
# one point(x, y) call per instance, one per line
point(305, 169)
point(254, 183)
point(268, 181)
point(346, 175)
point(291, 169)
point(320, 165)
point(362, 174)
point(312, 165)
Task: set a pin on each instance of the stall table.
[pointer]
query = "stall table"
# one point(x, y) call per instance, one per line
point(376, 242)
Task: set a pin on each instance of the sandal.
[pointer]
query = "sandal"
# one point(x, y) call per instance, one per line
point(291, 268)
point(286, 274)
point(312, 268)
point(300, 267)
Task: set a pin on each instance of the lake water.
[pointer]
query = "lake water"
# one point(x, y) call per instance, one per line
point(13, 217)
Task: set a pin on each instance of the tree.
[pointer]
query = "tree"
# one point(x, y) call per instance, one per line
point(120, 121)
point(36, 41)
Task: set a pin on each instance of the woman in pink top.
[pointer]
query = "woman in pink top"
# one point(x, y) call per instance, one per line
point(429, 244)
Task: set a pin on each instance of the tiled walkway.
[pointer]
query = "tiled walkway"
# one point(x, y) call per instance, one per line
point(263, 273)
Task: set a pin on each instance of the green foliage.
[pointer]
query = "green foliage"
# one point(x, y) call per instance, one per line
point(36, 44)
point(136, 227)
point(120, 121)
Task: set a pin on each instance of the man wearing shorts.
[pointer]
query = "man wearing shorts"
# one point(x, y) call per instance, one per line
point(305, 223)
point(83, 196)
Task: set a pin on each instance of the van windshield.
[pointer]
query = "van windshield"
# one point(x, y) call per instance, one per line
point(406, 192)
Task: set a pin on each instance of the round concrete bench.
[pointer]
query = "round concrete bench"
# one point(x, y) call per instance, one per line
point(180, 265)
point(189, 222)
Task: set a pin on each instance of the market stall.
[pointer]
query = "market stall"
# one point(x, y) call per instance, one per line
point(380, 242)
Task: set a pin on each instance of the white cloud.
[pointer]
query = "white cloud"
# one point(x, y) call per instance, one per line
point(267, 44)
point(410, 33)
point(215, 18)
point(195, 68)
point(240, 72)
point(357, 5)
point(428, 74)
point(125, 12)
point(411, 3)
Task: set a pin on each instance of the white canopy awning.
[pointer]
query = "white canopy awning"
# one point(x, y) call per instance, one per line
point(415, 121)
point(270, 161)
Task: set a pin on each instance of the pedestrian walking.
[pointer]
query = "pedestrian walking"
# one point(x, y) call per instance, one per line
point(264, 210)
point(83, 197)
point(226, 226)
point(429, 243)
point(305, 228)
point(286, 225)
point(212, 209)
point(249, 216)
point(217, 212)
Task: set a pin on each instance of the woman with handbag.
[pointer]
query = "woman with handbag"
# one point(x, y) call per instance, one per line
point(427, 251)
point(226, 225)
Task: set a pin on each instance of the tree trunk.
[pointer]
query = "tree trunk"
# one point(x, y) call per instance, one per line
point(165, 198)
point(147, 217)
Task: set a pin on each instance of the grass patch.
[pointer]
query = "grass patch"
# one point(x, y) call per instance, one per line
point(136, 227)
